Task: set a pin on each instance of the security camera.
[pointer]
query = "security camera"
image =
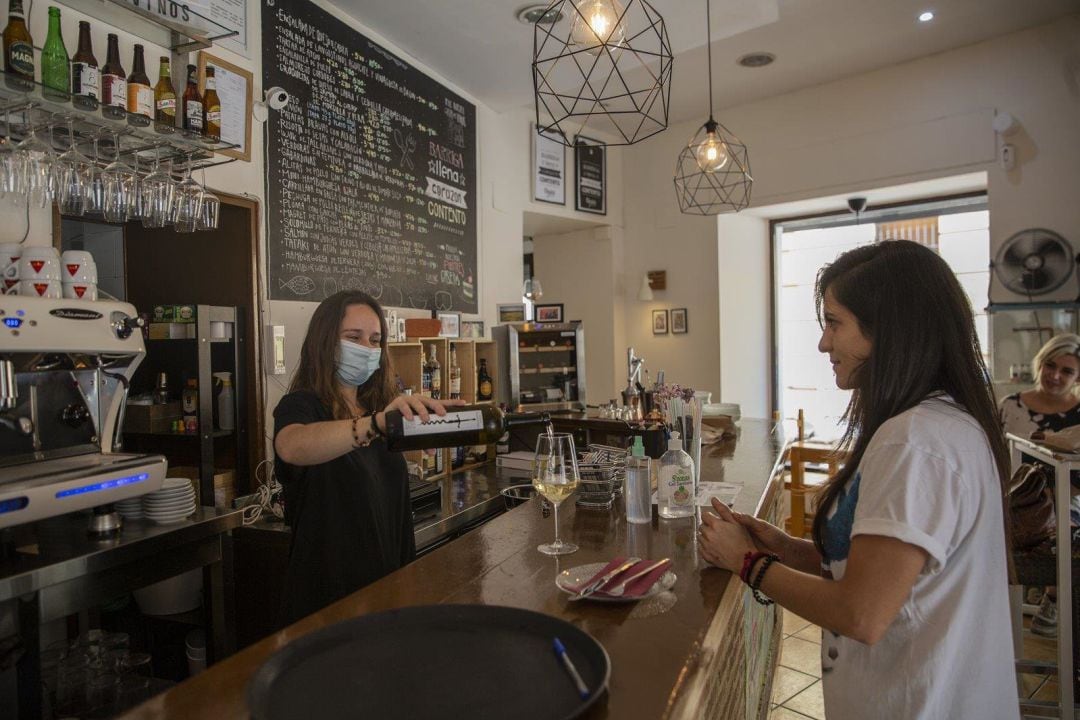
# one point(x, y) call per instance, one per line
point(277, 98)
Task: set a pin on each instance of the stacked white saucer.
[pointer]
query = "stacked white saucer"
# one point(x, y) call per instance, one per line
point(172, 503)
point(131, 508)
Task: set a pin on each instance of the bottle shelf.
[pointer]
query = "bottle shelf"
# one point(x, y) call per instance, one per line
point(178, 37)
point(549, 371)
point(26, 109)
point(541, 349)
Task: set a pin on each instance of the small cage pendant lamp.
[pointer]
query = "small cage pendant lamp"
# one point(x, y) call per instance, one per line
point(602, 69)
point(712, 174)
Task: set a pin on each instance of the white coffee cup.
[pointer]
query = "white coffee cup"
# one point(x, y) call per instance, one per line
point(35, 267)
point(86, 273)
point(72, 262)
point(80, 291)
point(37, 288)
point(10, 253)
point(7, 283)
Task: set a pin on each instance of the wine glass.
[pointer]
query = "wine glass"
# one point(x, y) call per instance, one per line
point(157, 196)
point(187, 202)
point(556, 477)
point(95, 190)
point(35, 168)
point(73, 173)
point(120, 186)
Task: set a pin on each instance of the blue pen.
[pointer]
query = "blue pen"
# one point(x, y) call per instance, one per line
point(560, 652)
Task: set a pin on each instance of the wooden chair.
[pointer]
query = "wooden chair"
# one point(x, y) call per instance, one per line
point(801, 452)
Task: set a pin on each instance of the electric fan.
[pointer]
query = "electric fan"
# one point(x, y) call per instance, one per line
point(1035, 263)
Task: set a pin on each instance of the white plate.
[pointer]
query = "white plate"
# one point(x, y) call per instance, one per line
point(179, 512)
point(175, 483)
point(169, 501)
point(170, 493)
point(574, 576)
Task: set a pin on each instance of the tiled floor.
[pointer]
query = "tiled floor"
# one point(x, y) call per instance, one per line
point(797, 685)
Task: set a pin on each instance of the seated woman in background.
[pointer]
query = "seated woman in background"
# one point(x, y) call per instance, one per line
point(1052, 405)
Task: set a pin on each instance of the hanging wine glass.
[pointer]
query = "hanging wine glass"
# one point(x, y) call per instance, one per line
point(119, 185)
point(8, 158)
point(157, 195)
point(211, 208)
point(34, 179)
point(73, 173)
point(139, 208)
point(95, 191)
point(187, 202)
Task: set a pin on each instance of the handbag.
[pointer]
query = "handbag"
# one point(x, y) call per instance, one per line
point(1031, 507)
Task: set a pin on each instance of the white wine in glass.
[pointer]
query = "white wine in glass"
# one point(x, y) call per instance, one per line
point(556, 477)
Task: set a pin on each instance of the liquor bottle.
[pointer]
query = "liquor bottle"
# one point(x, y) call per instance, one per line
point(425, 378)
point(55, 68)
point(484, 389)
point(436, 375)
point(140, 96)
point(464, 425)
point(164, 100)
point(85, 91)
point(194, 113)
point(113, 83)
point(675, 492)
point(18, 50)
point(213, 106)
point(455, 375)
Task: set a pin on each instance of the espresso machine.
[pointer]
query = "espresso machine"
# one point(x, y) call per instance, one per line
point(65, 366)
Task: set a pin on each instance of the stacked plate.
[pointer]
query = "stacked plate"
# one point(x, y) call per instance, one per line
point(172, 503)
point(130, 508)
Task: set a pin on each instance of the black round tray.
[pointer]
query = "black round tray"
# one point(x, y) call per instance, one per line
point(432, 661)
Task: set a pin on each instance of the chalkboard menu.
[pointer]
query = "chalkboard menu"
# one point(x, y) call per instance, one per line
point(371, 169)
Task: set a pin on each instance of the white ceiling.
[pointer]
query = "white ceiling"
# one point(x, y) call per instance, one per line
point(480, 45)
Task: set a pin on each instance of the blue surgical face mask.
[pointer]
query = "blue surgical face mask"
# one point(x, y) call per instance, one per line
point(357, 363)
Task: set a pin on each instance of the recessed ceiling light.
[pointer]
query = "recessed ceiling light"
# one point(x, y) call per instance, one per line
point(926, 16)
point(756, 59)
point(533, 14)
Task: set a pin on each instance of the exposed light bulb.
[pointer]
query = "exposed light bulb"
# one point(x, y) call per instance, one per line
point(926, 16)
point(598, 23)
point(712, 153)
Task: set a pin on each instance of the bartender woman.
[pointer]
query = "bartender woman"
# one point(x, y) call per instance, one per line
point(346, 495)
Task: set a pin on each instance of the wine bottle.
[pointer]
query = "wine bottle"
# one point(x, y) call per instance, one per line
point(455, 375)
point(55, 67)
point(193, 110)
point(164, 100)
point(436, 375)
point(213, 106)
point(140, 96)
point(113, 83)
point(465, 425)
point(84, 72)
point(18, 49)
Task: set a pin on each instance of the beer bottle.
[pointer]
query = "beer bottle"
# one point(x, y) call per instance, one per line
point(85, 92)
point(113, 83)
point(484, 389)
point(140, 96)
point(18, 50)
point(55, 68)
point(213, 106)
point(164, 100)
point(193, 110)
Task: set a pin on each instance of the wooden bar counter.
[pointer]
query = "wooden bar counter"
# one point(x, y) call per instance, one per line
point(703, 650)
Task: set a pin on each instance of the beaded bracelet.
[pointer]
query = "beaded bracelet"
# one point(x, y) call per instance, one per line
point(749, 560)
point(369, 436)
point(756, 585)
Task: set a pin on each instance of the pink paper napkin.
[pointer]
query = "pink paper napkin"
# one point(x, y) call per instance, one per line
point(643, 584)
point(603, 571)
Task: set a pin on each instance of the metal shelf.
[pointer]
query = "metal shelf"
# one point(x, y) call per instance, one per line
point(149, 26)
point(22, 110)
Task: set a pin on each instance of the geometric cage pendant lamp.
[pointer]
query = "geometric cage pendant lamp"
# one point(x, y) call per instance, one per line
point(602, 68)
point(712, 173)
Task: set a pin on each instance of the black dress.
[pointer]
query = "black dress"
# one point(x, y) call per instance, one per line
point(350, 517)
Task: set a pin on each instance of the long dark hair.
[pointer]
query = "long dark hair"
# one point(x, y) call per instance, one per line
point(912, 309)
point(317, 371)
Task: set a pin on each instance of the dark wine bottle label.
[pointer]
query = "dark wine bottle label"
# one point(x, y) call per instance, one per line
point(465, 421)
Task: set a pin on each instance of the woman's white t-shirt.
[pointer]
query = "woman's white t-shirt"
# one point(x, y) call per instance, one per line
point(927, 478)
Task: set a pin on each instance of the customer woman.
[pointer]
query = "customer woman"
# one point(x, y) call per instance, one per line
point(346, 495)
point(907, 570)
point(1052, 405)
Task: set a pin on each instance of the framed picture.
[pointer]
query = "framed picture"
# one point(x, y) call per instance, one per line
point(549, 313)
point(659, 322)
point(590, 170)
point(234, 87)
point(472, 329)
point(450, 324)
point(549, 168)
point(678, 321)
point(391, 326)
point(511, 313)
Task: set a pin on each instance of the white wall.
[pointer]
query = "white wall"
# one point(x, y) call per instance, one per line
point(918, 120)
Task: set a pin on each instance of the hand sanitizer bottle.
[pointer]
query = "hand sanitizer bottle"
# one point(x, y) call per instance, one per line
point(638, 494)
point(675, 492)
